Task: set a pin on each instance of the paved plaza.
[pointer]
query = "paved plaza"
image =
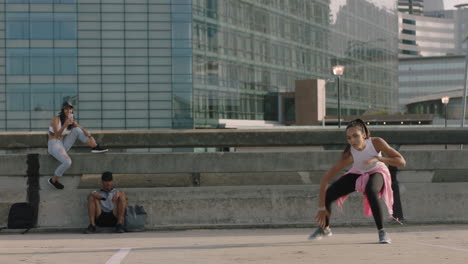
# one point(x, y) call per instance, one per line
point(411, 244)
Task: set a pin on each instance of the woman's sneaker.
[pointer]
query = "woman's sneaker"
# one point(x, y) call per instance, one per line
point(320, 233)
point(98, 149)
point(56, 184)
point(384, 238)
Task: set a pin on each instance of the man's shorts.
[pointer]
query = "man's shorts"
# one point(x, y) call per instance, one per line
point(106, 219)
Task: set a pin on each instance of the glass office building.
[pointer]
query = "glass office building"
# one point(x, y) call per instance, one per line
point(428, 79)
point(162, 64)
point(426, 36)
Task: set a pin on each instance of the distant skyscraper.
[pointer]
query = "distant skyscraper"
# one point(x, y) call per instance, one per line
point(426, 36)
point(413, 7)
point(432, 58)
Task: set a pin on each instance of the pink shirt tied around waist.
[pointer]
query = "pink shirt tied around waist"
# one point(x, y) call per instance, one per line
point(386, 193)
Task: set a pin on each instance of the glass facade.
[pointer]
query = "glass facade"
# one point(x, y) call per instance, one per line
point(247, 52)
point(144, 64)
point(422, 77)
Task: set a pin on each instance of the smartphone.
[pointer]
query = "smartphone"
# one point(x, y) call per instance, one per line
point(70, 116)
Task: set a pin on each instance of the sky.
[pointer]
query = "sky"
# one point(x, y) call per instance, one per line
point(448, 4)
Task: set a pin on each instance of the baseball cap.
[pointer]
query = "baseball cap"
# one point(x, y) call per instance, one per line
point(67, 105)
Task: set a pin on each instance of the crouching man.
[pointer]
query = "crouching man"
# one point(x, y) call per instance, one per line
point(106, 207)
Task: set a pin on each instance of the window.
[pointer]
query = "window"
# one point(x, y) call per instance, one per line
point(409, 32)
point(409, 21)
point(17, 26)
point(65, 26)
point(65, 61)
point(41, 26)
point(39, 97)
point(18, 98)
point(42, 61)
point(17, 61)
point(41, 1)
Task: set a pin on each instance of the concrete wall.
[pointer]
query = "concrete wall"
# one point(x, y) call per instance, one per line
point(223, 206)
point(190, 190)
point(241, 137)
point(233, 189)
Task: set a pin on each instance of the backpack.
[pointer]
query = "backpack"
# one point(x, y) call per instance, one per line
point(135, 218)
point(21, 215)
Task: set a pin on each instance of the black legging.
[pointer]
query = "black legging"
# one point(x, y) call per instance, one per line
point(347, 184)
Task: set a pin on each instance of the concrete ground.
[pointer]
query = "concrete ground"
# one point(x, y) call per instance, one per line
point(411, 244)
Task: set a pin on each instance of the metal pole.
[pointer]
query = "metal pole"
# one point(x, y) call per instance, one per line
point(464, 90)
point(445, 108)
point(462, 123)
point(339, 106)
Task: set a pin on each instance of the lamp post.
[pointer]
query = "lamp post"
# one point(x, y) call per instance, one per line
point(338, 71)
point(445, 100)
point(465, 80)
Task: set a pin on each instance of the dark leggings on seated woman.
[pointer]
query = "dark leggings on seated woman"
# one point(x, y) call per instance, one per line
point(347, 184)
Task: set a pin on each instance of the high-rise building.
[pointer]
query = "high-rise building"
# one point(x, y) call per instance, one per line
point(426, 36)
point(460, 20)
point(431, 64)
point(162, 64)
point(412, 7)
point(423, 76)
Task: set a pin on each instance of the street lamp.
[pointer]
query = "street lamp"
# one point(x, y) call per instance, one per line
point(338, 71)
point(445, 100)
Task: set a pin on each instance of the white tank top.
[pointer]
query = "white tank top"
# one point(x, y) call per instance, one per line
point(65, 131)
point(367, 153)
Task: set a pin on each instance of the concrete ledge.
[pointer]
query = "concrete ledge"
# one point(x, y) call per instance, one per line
point(292, 202)
point(248, 206)
point(260, 178)
point(224, 162)
point(450, 175)
point(236, 206)
point(203, 179)
point(219, 162)
point(240, 137)
point(88, 181)
point(410, 176)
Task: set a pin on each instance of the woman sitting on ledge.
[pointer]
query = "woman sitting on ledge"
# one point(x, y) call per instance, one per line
point(63, 132)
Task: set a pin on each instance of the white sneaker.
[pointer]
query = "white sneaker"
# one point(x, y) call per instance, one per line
point(384, 238)
point(320, 233)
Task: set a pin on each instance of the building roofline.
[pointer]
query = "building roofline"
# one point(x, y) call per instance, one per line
point(460, 5)
point(435, 96)
point(433, 57)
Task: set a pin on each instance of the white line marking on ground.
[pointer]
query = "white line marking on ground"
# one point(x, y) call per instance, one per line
point(119, 256)
point(59, 248)
point(446, 247)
